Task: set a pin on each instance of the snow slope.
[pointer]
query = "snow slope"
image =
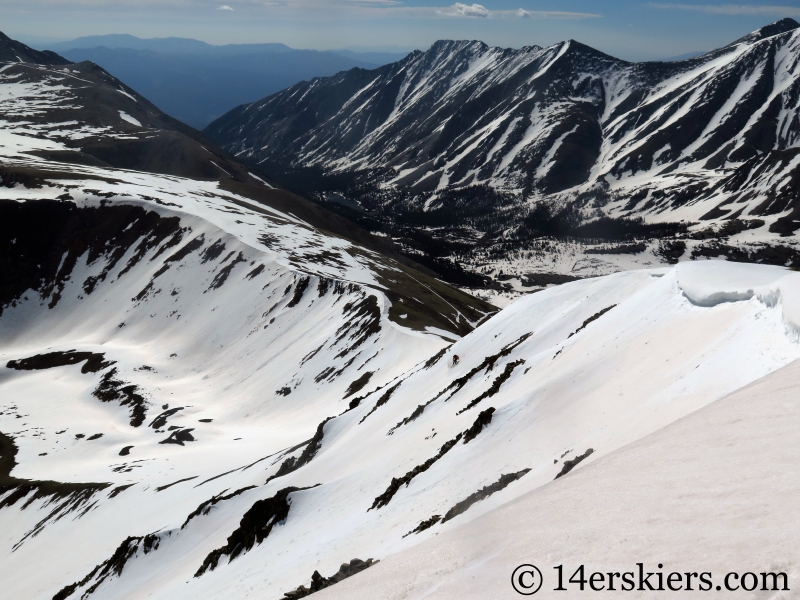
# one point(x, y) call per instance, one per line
point(559, 381)
point(153, 323)
point(713, 492)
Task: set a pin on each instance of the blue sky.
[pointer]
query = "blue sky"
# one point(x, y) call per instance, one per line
point(627, 29)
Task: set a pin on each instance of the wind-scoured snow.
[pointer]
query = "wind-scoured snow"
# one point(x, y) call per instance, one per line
point(713, 492)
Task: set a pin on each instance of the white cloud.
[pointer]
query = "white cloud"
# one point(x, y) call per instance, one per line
point(479, 11)
point(466, 10)
point(550, 14)
point(397, 9)
point(733, 9)
point(369, 9)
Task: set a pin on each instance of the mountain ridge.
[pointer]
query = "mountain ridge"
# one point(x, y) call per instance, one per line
point(165, 45)
point(440, 137)
point(197, 82)
point(12, 50)
point(120, 129)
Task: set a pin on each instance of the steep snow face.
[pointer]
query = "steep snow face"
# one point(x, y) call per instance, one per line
point(691, 497)
point(296, 471)
point(467, 140)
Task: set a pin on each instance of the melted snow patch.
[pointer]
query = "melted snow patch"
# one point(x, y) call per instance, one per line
point(124, 93)
point(126, 117)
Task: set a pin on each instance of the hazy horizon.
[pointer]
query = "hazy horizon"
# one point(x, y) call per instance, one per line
point(628, 30)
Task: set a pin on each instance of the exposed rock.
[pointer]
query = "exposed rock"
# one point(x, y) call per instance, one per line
point(318, 582)
point(571, 464)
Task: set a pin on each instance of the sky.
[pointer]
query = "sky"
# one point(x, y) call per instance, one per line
point(626, 29)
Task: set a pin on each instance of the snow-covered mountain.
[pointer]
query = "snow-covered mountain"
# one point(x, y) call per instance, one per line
point(209, 440)
point(207, 393)
point(102, 265)
point(506, 157)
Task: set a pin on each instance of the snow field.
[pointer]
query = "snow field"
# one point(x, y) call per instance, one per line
point(664, 350)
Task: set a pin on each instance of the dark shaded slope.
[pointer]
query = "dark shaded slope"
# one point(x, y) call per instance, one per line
point(41, 242)
point(198, 88)
point(13, 51)
point(94, 99)
point(283, 122)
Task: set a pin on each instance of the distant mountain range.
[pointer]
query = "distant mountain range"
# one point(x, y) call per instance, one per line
point(169, 45)
point(559, 161)
point(197, 82)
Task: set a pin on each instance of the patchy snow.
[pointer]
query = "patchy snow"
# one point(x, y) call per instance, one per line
point(547, 161)
point(257, 178)
point(124, 93)
point(126, 117)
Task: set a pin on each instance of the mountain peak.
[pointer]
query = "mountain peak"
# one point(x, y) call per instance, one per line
point(787, 23)
point(14, 51)
point(776, 28)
